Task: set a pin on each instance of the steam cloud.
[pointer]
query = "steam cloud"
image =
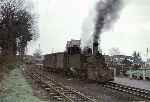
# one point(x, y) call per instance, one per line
point(107, 13)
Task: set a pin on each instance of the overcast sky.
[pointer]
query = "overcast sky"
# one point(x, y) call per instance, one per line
point(61, 20)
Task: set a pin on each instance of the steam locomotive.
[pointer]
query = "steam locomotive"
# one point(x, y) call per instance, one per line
point(86, 65)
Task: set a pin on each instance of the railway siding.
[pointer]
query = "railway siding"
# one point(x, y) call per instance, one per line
point(128, 89)
point(58, 91)
point(142, 84)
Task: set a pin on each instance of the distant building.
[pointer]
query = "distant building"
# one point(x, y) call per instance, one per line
point(122, 63)
point(33, 59)
point(118, 59)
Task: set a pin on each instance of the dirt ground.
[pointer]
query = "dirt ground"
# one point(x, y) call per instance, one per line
point(93, 90)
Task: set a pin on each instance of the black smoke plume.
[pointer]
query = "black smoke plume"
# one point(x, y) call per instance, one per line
point(107, 13)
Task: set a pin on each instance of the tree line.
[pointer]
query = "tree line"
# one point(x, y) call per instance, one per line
point(18, 26)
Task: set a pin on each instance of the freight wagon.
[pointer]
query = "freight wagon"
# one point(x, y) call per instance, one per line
point(55, 62)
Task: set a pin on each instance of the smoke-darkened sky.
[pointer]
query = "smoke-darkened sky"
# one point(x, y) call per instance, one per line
point(61, 20)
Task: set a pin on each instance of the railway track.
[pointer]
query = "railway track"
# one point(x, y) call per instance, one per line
point(58, 91)
point(128, 89)
point(64, 94)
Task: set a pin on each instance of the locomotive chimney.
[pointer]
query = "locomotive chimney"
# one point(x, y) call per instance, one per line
point(95, 47)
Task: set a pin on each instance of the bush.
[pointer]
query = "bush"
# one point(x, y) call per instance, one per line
point(5, 60)
point(7, 63)
point(11, 67)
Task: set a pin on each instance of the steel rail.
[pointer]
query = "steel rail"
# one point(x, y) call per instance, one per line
point(128, 89)
point(48, 87)
point(69, 89)
point(69, 94)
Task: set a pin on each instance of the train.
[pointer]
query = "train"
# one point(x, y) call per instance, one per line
point(83, 65)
